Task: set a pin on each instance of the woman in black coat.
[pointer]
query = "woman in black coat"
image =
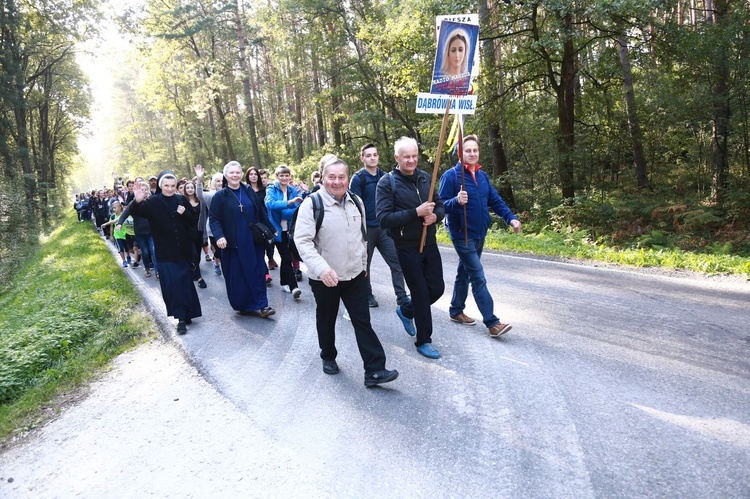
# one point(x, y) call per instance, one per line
point(173, 223)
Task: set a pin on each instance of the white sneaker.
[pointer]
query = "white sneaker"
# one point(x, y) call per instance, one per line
point(285, 288)
point(297, 293)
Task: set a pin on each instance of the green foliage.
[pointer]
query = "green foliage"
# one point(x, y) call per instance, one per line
point(67, 312)
point(578, 245)
point(44, 103)
point(582, 213)
point(328, 76)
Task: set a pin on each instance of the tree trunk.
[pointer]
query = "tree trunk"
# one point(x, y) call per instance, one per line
point(212, 126)
point(499, 158)
point(721, 108)
point(227, 147)
point(298, 139)
point(19, 111)
point(246, 88)
point(320, 122)
point(708, 8)
point(338, 140)
point(566, 112)
point(13, 63)
point(744, 116)
point(636, 135)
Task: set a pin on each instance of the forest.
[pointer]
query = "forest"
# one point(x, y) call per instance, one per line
point(624, 119)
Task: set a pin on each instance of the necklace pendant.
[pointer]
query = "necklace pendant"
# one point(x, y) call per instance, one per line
point(241, 210)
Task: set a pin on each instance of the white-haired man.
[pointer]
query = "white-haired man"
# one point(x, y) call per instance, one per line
point(403, 209)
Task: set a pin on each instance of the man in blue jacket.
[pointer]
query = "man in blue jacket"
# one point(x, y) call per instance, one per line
point(478, 196)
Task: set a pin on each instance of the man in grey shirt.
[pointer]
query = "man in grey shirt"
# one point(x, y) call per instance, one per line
point(336, 258)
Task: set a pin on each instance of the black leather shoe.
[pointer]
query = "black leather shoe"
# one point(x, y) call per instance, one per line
point(330, 367)
point(380, 377)
point(181, 327)
point(188, 321)
point(202, 284)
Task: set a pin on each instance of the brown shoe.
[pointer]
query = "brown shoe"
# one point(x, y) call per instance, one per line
point(464, 319)
point(267, 312)
point(499, 329)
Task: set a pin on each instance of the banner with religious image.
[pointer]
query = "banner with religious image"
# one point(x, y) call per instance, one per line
point(454, 58)
point(456, 61)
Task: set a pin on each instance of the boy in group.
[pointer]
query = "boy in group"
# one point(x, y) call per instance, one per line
point(403, 208)
point(477, 196)
point(336, 258)
point(364, 184)
point(119, 233)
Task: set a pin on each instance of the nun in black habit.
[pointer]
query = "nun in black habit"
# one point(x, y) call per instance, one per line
point(173, 222)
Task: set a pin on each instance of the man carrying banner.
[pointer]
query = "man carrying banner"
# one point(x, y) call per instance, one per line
point(477, 194)
point(403, 208)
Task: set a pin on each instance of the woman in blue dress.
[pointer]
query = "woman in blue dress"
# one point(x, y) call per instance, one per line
point(232, 211)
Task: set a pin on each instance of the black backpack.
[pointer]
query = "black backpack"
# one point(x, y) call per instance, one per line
point(319, 212)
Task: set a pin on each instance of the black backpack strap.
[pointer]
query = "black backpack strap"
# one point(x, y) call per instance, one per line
point(393, 188)
point(361, 209)
point(318, 211)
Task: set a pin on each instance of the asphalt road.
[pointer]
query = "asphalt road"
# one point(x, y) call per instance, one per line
point(612, 383)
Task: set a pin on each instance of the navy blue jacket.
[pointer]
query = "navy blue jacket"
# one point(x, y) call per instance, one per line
point(397, 211)
point(364, 185)
point(223, 221)
point(482, 195)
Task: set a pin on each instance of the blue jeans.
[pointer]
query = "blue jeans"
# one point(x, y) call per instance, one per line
point(470, 270)
point(148, 253)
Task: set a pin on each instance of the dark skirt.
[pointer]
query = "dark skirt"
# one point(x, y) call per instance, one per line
point(178, 290)
point(244, 270)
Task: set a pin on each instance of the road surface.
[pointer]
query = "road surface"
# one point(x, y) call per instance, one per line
point(612, 383)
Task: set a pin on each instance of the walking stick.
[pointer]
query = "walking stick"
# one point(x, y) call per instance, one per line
point(437, 167)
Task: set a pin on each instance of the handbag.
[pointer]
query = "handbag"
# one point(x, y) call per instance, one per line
point(261, 233)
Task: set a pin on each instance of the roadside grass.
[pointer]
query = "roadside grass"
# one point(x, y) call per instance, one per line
point(577, 245)
point(67, 312)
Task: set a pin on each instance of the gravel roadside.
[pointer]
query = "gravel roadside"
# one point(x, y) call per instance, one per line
point(152, 426)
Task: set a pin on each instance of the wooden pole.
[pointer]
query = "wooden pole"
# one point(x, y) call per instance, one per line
point(437, 166)
point(460, 149)
point(463, 188)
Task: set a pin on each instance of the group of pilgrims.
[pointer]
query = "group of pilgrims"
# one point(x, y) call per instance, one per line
point(167, 225)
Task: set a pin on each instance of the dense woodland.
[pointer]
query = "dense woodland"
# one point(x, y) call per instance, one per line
point(627, 119)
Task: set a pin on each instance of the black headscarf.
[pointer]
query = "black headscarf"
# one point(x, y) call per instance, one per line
point(162, 175)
